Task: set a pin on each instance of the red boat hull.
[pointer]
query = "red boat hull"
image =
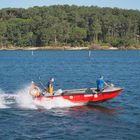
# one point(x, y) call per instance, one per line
point(84, 97)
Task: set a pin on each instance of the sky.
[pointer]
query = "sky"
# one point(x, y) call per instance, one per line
point(124, 4)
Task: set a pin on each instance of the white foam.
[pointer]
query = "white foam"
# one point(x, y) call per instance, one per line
point(57, 102)
point(22, 99)
point(2, 100)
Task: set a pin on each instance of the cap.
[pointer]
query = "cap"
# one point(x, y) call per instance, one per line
point(52, 79)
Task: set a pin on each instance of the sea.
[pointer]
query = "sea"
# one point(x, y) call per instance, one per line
point(22, 119)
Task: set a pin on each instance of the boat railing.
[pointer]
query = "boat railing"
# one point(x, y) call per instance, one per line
point(88, 90)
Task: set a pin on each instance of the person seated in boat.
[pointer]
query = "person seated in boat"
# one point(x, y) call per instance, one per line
point(100, 84)
point(50, 86)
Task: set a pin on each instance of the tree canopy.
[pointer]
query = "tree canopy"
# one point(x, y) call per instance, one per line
point(69, 25)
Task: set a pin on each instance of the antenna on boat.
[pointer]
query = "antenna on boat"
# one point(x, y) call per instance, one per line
point(40, 82)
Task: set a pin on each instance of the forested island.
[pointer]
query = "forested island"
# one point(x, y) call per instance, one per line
point(72, 26)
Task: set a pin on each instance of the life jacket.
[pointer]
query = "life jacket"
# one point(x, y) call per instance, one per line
point(50, 87)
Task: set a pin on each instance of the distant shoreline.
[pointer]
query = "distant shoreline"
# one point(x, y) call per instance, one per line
point(65, 48)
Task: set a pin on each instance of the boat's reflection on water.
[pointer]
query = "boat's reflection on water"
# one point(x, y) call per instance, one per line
point(92, 109)
point(97, 108)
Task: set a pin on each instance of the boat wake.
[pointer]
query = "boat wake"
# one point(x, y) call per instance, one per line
point(58, 102)
point(2, 100)
point(22, 99)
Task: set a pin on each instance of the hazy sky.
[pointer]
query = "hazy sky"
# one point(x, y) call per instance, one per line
point(126, 4)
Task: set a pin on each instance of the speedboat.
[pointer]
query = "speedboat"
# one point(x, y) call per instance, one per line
point(84, 96)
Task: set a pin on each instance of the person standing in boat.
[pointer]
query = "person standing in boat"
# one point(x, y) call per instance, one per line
point(50, 85)
point(100, 84)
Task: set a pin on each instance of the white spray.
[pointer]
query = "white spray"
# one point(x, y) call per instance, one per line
point(58, 102)
point(3, 103)
point(22, 99)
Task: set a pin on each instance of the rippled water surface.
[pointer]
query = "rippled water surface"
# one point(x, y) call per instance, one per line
point(20, 119)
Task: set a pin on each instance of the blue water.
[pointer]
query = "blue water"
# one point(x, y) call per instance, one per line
point(118, 119)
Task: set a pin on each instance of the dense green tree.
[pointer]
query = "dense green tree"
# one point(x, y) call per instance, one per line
point(69, 25)
point(3, 29)
point(77, 35)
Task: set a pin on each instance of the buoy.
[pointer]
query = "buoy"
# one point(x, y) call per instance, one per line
point(34, 91)
point(32, 53)
point(89, 53)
